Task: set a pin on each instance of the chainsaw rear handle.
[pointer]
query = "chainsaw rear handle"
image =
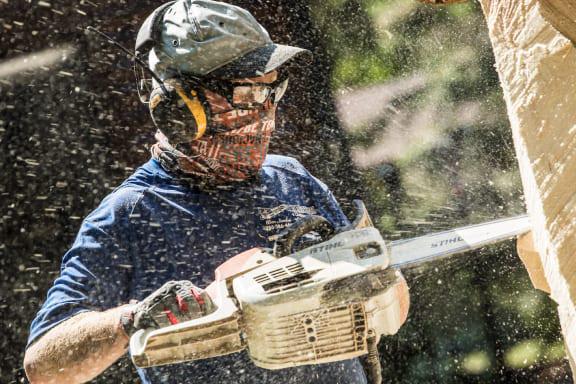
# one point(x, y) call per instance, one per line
point(287, 238)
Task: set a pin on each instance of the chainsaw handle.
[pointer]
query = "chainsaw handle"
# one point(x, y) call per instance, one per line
point(287, 238)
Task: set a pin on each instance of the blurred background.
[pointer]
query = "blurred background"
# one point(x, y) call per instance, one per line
point(401, 107)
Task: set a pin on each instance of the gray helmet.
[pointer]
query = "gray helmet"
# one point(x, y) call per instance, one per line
point(204, 37)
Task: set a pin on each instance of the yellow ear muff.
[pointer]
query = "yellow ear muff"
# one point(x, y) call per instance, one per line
point(195, 107)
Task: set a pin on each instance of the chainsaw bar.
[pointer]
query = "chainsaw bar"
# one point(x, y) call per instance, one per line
point(409, 253)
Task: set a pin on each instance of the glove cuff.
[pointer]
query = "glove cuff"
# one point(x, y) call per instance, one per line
point(127, 321)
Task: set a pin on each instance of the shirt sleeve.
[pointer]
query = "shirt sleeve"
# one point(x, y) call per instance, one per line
point(95, 272)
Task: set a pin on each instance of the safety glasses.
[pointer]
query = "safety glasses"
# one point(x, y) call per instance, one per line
point(248, 95)
point(256, 95)
point(241, 95)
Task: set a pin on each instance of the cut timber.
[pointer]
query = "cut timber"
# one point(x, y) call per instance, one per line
point(531, 259)
point(537, 68)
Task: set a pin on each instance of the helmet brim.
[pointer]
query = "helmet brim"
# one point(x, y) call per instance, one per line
point(261, 61)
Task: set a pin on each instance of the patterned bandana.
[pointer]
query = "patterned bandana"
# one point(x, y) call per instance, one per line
point(235, 151)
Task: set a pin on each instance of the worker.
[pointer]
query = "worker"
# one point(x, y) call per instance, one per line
point(209, 192)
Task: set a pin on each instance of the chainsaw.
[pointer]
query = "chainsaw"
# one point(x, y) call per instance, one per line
point(328, 302)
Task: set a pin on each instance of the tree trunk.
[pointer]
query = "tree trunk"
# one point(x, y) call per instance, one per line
point(537, 68)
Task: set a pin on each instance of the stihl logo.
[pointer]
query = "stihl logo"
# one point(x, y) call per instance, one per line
point(442, 243)
point(327, 247)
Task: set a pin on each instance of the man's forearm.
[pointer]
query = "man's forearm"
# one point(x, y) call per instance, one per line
point(78, 349)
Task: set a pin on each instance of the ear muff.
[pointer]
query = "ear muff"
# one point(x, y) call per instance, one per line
point(182, 114)
point(178, 111)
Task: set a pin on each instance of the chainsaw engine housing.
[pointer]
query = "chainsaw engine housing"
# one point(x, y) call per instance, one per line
point(320, 304)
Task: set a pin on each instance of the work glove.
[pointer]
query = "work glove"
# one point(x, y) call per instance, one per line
point(173, 303)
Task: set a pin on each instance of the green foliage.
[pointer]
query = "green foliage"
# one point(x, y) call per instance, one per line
point(360, 69)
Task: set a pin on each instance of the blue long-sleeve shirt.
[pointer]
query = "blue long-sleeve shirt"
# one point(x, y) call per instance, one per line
point(156, 227)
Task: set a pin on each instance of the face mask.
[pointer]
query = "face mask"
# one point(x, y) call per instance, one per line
point(234, 151)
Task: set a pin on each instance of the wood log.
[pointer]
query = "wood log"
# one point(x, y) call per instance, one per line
point(536, 64)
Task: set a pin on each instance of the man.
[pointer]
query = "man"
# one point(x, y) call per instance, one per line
point(209, 192)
